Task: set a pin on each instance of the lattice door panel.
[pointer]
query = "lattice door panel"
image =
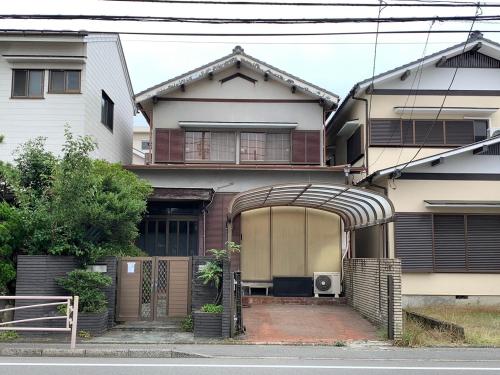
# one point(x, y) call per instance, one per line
point(147, 283)
point(162, 282)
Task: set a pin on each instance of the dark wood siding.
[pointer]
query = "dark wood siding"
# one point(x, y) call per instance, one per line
point(306, 147)
point(413, 236)
point(216, 235)
point(169, 146)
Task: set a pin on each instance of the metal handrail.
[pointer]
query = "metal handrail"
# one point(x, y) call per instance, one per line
point(71, 316)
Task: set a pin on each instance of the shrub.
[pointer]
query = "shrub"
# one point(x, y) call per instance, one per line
point(212, 308)
point(211, 272)
point(10, 237)
point(88, 286)
point(187, 324)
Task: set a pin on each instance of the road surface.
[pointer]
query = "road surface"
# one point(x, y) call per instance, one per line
point(247, 366)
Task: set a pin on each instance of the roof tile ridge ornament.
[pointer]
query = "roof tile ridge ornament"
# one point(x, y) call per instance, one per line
point(238, 50)
point(475, 35)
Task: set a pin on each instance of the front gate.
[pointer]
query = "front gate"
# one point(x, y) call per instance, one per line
point(153, 288)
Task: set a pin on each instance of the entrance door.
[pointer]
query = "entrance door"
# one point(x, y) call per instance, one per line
point(153, 288)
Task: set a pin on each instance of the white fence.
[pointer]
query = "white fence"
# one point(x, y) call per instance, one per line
point(71, 316)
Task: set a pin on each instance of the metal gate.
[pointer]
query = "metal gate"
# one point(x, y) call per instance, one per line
point(153, 288)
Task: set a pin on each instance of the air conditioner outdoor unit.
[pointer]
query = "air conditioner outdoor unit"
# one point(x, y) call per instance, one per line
point(494, 132)
point(326, 283)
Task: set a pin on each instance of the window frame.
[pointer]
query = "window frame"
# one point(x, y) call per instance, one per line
point(27, 96)
point(148, 143)
point(105, 97)
point(414, 144)
point(271, 162)
point(65, 72)
point(234, 133)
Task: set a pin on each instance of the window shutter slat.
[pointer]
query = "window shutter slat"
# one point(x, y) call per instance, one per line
point(483, 239)
point(459, 132)
point(176, 145)
point(162, 143)
point(449, 242)
point(413, 238)
point(385, 132)
point(306, 147)
point(169, 145)
point(313, 149)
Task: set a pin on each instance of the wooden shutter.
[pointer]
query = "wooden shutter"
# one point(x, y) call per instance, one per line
point(385, 132)
point(483, 243)
point(413, 238)
point(449, 243)
point(459, 132)
point(354, 147)
point(306, 147)
point(429, 132)
point(169, 146)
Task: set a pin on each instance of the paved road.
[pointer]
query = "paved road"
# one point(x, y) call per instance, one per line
point(244, 366)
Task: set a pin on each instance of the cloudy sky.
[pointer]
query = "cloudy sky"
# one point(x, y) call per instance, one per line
point(332, 62)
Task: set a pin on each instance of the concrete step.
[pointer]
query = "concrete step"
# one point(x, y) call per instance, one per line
point(158, 326)
point(262, 300)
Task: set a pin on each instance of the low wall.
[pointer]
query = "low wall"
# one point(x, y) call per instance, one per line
point(366, 289)
point(36, 276)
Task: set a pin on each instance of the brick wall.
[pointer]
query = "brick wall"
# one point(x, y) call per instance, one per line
point(365, 286)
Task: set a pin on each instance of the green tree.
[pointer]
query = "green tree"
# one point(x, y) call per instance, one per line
point(11, 233)
point(75, 205)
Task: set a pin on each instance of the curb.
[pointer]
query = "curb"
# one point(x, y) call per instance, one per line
point(98, 353)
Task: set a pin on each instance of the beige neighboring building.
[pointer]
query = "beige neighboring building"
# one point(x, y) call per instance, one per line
point(425, 135)
point(141, 146)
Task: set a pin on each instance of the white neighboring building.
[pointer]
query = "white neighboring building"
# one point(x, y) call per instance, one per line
point(51, 79)
point(141, 145)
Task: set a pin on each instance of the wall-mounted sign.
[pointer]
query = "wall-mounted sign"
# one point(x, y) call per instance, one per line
point(102, 268)
point(131, 267)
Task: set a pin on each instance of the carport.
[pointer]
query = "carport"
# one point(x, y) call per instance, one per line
point(276, 319)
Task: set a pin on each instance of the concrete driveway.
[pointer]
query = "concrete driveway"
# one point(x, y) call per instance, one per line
point(276, 323)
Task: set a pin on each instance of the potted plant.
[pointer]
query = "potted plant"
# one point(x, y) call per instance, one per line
point(93, 306)
point(208, 320)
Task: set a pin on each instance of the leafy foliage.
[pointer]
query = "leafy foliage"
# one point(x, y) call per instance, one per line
point(11, 234)
point(211, 272)
point(88, 286)
point(187, 324)
point(212, 308)
point(73, 204)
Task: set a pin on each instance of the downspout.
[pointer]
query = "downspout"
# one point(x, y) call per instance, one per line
point(325, 117)
point(205, 210)
point(385, 231)
point(353, 91)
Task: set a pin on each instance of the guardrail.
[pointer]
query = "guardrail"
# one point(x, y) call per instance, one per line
point(71, 315)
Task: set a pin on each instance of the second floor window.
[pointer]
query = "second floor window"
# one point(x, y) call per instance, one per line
point(107, 108)
point(27, 83)
point(64, 81)
point(210, 146)
point(444, 133)
point(265, 147)
point(145, 145)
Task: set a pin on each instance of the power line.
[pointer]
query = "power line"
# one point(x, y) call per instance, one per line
point(150, 33)
point(478, 9)
point(281, 21)
point(424, 4)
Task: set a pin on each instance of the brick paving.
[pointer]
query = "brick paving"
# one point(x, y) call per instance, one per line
point(311, 324)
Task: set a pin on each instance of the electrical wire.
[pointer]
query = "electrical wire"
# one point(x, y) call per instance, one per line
point(424, 4)
point(225, 21)
point(398, 173)
point(151, 33)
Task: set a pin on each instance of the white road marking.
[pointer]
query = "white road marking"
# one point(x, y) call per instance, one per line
point(319, 367)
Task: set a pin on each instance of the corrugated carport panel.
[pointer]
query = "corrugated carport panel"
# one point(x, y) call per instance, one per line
point(256, 245)
point(483, 239)
point(413, 238)
point(449, 243)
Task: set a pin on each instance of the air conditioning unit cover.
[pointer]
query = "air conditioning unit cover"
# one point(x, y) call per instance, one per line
point(326, 283)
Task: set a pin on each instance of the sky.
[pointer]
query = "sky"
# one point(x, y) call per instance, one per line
point(335, 63)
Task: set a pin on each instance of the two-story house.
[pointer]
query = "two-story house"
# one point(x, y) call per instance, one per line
point(239, 125)
point(141, 145)
point(425, 135)
point(52, 79)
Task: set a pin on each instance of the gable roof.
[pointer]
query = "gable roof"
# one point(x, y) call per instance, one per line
point(238, 55)
point(474, 147)
point(476, 40)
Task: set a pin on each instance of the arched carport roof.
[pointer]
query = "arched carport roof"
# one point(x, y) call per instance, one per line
point(357, 207)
